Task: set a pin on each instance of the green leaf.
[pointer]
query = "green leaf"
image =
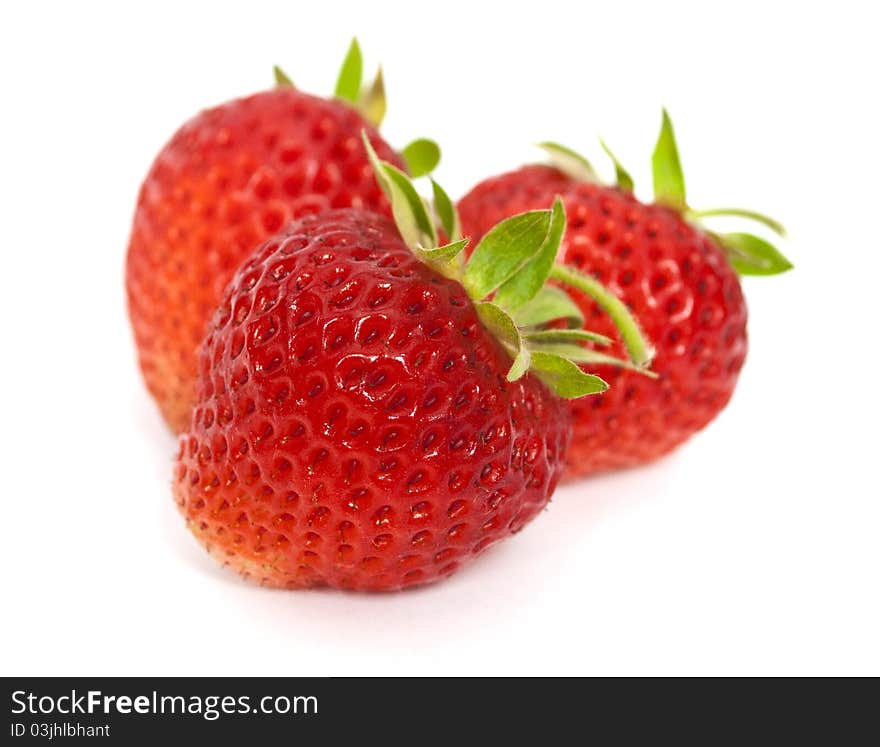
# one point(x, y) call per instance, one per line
point(348, 84)
point(569, 161)
point(416, 205)
point(446, 252)
point(499, 323)
point(565, 378)
point(549, 304)
point(421, 157)
point(764, 220)
point(446, 212)
point(503, 251)
point(624, 180)
point(637, 346)
point(372, 103)
point(580, 354)
point(525, 284)
point(281, 78)
point(751, 255)
point(567, 336)
point(666, 166)
point(413, 221)
point(520, 364)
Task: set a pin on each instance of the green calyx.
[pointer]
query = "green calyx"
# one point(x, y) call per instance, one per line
point(507, 278)
point(748, 254)
point(421, 155)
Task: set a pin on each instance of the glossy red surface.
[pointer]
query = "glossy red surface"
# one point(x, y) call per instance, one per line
point(229, 178)
point(354, 427)
point(680, 287)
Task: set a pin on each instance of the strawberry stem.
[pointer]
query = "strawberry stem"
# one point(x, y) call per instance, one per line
point(637, 346)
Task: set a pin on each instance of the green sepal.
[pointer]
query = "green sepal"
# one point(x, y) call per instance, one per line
point(748, 254)
point(637, 346)
point(549, 304)
point(372, 103)
point(446, 212)
point(348, 84)
point(526, 243)
point(569, 161)
point(624, 180)
point(499, 323)
point(413, 221)
point(446, 259)
point(589, 356)
point(564, 377)
point(525, 284)
point(401, 182)
point(421, 157)
point(764, 220)
point(566, 336)
point(503, 250)
point(281, 78)
point(669, 188)
point(752, 255)
point(447, 251)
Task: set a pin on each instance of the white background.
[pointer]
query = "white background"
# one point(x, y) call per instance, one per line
point(753, 550)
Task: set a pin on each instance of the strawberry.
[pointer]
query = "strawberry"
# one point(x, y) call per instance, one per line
point(365, 418)
point(229, 178)
point(678, 278)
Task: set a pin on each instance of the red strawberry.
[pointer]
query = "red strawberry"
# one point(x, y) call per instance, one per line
point(679, 280)
point(358, 424)
point(228, 179)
